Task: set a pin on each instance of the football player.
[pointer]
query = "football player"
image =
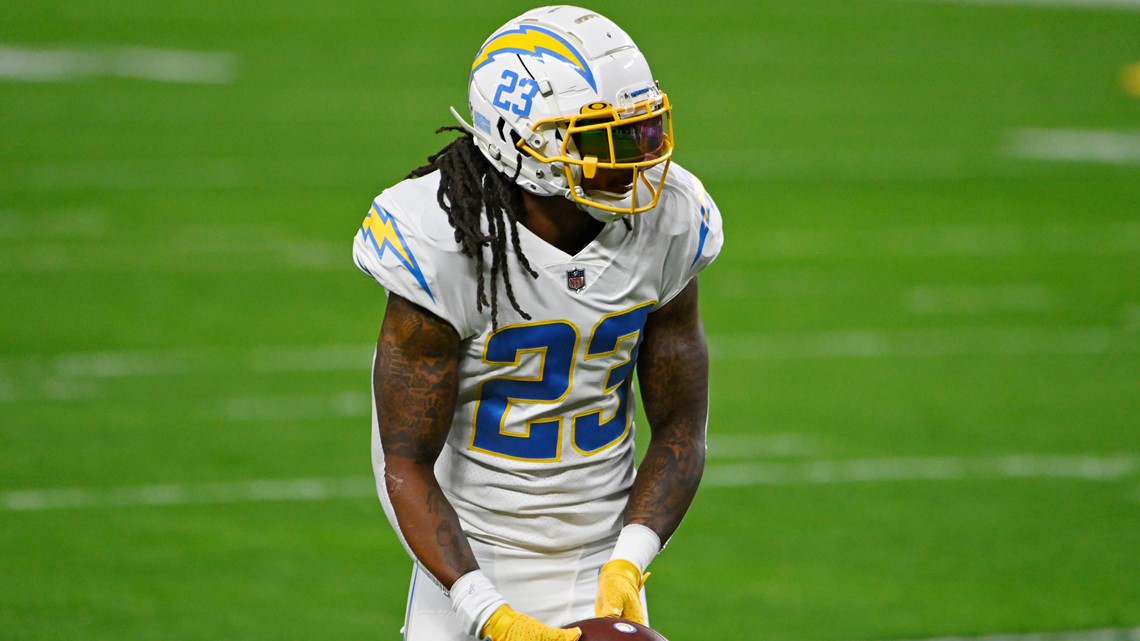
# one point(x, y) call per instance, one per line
point(533, 264)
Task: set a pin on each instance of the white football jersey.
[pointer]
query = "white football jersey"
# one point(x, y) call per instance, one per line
point(540, 453)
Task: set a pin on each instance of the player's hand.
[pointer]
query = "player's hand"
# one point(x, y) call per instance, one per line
point(507, 625)
point(619, 591)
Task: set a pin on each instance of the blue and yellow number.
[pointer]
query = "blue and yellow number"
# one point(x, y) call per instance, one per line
point(556, 342)
point(512, 83)
point(615, 338)
point(613, 335)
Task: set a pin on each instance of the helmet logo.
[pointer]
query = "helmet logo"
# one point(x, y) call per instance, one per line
point(529, 40)
point(576, 279)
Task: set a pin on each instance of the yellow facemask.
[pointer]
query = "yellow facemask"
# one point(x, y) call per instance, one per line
point(621, 142)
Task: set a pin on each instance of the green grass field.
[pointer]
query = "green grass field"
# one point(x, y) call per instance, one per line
point(925, 324)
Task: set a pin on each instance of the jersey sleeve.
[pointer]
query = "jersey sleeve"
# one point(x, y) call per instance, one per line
point(696, 234)
point(396, 246)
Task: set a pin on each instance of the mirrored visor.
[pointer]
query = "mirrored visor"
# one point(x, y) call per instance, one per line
point(634, 142)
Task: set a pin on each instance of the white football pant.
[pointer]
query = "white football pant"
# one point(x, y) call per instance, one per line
point(556, 589)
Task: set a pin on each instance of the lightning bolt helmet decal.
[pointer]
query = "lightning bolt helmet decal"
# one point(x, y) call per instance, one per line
point(530, 40)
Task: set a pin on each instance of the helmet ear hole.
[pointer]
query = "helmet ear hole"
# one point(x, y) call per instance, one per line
point(501, 127)
point(515, 139)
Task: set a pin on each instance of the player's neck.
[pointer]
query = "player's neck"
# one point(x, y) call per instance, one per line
point(559, 222)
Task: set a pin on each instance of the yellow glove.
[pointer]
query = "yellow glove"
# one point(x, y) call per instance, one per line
point(619, 591)
point(507, 625)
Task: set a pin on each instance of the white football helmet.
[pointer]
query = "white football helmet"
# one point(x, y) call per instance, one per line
point(563, 99)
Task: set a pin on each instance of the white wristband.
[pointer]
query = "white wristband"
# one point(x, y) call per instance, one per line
point(638, 545)
point(474, 599)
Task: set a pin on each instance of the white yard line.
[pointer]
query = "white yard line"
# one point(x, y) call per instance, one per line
point(1024, 466)
point(1130, 318)
point(835, 163)
point(930, 343)
point(54, 225)
point(938, 241)
point(121, 364)
point(311, 489)
point(1078, 145)
point(277, 408)
point(760, 446)
point(74, 64)
point(321, 358)
point(978, 300)
point(717, 475)
point(71, 375)
point(237, 248)
point(1103, 634)
point(1120, 5)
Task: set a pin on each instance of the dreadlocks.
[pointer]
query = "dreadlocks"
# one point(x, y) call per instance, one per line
point(468, 187)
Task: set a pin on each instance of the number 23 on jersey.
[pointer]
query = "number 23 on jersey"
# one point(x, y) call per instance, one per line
point(612, 344)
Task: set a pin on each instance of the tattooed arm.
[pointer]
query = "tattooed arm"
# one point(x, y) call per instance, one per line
point(672, 371)
point(415, 382)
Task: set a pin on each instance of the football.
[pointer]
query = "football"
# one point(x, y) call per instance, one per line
point(610, 629)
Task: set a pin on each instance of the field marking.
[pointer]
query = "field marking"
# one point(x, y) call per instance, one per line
point(75, 376)
point(979, 300)
point(277, 408)
point(1102, 634)
point(23, 64)
point(931, 343)
point(54, 225)
point(1123, 5)
point(951, 241)
point(836, 163)
point(254, 248)
point(265, 490)
point(1077, 145)
point(195, 249)
point(1021, 466)
point(1130, 317)
point(321, 358)
point(759, 446)
point(753, 474)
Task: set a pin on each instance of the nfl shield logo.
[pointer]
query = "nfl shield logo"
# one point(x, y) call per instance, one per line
point(576, 278)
